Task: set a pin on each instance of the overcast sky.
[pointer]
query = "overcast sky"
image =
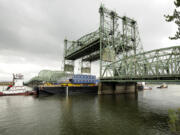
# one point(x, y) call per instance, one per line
point(32, 31)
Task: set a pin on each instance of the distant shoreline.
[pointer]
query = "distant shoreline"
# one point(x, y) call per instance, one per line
point(5, 83)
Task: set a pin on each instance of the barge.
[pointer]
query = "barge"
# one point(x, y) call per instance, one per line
point(74, 84)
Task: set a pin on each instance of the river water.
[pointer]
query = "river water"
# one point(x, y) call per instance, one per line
point(145, 114)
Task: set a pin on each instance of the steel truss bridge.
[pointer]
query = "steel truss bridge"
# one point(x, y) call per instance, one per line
point(117, 46)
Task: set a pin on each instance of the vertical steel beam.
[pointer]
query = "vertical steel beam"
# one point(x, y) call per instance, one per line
point(65, 52)
point(101, 31)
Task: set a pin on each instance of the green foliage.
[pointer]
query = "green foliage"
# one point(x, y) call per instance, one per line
point(176, 18)
point(174, 120)
point(177, 3)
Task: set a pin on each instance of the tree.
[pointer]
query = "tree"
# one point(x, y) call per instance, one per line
point(176, 18)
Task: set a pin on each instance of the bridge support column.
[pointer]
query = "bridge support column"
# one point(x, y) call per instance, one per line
point(117, 88)
point(106, 88)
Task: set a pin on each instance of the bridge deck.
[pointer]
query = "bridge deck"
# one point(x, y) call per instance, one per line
point(148, 78)
point(84, 50)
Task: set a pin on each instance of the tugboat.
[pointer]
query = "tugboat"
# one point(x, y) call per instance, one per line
point(17, 88)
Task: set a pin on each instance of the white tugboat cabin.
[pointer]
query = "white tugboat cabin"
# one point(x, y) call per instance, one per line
point(17, 88)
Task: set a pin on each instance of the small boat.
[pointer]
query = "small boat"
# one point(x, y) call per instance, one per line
point(163, 86)
point(147, 88)
point(17, 88)
point(142, 86)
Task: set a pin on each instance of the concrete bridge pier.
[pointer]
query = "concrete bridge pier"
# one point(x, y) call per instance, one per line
point(117, 88)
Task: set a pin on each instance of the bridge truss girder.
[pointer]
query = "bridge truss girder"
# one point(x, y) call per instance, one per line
point(156, 65)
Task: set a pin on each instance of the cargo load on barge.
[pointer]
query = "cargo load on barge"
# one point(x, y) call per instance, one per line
point(76, 84)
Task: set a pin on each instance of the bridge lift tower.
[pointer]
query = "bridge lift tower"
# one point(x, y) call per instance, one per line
point(116, 37)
